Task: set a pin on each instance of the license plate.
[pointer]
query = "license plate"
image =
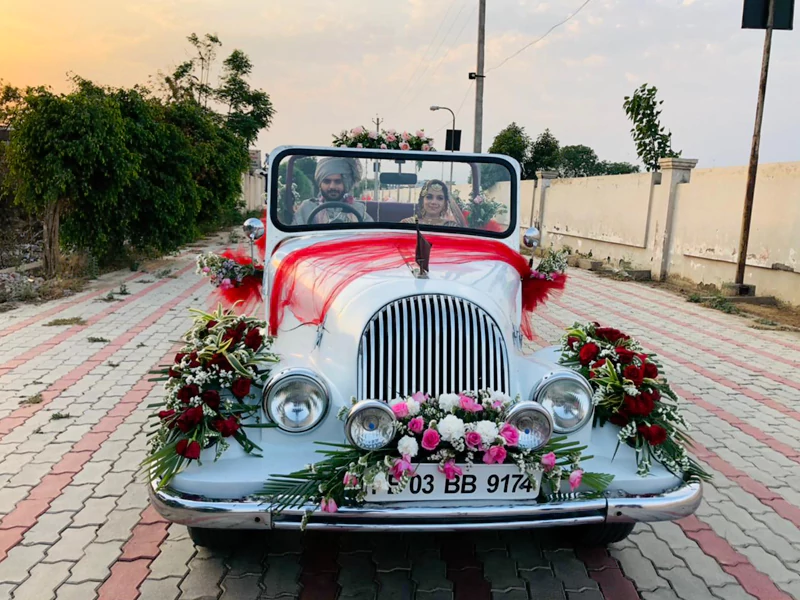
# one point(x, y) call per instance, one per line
point(479, 482)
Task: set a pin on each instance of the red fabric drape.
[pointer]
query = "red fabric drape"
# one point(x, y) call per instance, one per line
point(248, 292)
point(309, 280)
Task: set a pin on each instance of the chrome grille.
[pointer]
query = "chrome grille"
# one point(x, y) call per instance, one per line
point(431, 343)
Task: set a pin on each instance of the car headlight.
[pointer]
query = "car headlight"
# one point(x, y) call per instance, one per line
point(534, 423)
point(568, 398)
point(370, 425)
point(296, 400)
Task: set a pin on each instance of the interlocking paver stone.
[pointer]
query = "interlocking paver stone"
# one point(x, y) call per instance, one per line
point(160, 589)
point(203, 579)
point(44, 579)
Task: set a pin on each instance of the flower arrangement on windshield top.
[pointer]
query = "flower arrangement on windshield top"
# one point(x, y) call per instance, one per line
point(360, 137)
point(453, 431)
point(211, 392)
point(631, 392)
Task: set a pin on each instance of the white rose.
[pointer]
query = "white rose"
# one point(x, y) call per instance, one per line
point(407, 446)
point(447, 402)
point(451, 428)
point(380, 483)
point(413, 407)
point(487, 430)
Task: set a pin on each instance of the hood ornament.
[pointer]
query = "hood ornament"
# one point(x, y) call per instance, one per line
point(422, 254)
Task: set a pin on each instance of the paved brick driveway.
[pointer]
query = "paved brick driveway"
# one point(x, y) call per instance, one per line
point(76, 524)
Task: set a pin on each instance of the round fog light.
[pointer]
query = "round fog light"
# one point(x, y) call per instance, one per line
point(371, 425)
point(534, 423)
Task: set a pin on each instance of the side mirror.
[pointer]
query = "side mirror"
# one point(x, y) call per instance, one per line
point(532, 237)
point(253, 228)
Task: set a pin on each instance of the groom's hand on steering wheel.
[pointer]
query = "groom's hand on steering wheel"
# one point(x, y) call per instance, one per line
point(344, 206)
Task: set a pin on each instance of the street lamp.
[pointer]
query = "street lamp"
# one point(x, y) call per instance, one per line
point(452, 146)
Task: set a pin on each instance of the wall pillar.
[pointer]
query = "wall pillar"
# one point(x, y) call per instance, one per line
point(674, 171)
point(543, 179)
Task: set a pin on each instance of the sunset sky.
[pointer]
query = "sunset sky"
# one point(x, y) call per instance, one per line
point(330, 65)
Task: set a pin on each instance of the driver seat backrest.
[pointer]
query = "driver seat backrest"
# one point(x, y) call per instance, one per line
point(392, 212)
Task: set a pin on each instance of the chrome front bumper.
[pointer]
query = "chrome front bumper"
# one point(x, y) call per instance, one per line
point(422, 516)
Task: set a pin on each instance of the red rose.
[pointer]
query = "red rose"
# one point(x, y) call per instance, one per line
point(179, 357)
point(194, 362)
point(211, 398)
point(608, 334)
point(620, 418)
point(211, 324)
point(231, 334)
point(188, 392)
point(571, 340)
point(599, 363)
point(588, 353)
point(253, 339)
point(240, 387)
point(646, 403)
point(221, 361)
point(189, 419)
point(188, 449)
point(174, 374)
point(227, 427)
point(650, 370)
point(167, 415)
point(634, 373)
point(625, 356)
point(655, 435)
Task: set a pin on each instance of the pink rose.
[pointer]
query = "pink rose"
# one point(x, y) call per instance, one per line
point(401, 465)
point(495, 454)
point(420, 133)
point(405, 135)
point(510, 434)
point(391, 137)
point(416, 425)
point(469, 404)
point(549, 461)
point(359, 145)
point(473, 439)
point(226, 284)
point(497, 404)
point(357, 130)
point(405, 146)
point(206, 270)
point(426, 147)
point(372, 135)
point(477, 199)
point(575, 479)
point(383, 146)
point(350, 480)
point(430, 439)
point(450, 470)
point(328, 505)
point(420, 397)
point(400, 410)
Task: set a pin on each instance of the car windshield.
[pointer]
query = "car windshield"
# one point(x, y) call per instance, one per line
point(360, 189)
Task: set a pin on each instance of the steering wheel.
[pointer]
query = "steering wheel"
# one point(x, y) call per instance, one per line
point(340, 205)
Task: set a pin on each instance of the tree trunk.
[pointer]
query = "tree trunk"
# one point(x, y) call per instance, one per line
point(51, 242)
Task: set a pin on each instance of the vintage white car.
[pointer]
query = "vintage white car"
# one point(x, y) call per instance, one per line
point(377, 325)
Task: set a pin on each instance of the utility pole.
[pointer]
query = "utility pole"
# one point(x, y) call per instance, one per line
point(752, 171)
point(376, 168)
point(479, 77)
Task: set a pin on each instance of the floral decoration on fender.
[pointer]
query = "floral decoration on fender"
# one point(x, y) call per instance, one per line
point(234, 274)
point(454, 431)
point(630, 392)
point(209, 392)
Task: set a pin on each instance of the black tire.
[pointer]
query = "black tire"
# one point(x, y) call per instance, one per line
point(600, 535)
point(213, 539)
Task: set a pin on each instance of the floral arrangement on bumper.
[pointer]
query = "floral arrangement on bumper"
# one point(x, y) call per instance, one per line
point(359, 137)
point(210, 389)
point(630, 392)
point(453, 431)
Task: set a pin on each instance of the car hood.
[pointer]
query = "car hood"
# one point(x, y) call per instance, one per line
point(492, 285)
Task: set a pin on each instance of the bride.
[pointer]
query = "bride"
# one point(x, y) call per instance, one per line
point(434, 207)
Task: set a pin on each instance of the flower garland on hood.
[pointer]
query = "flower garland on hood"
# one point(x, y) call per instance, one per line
point(453, 431)
point(630, 392)
point(209, 392)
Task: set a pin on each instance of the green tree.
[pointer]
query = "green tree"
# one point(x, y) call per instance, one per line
point(577, 161)
point(616, 168)
point(652, 142)
point(544, 155)
point(511, 141)
point(249, 110)
point(67, 153)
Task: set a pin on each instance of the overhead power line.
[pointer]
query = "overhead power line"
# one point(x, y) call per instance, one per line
point(536, 41)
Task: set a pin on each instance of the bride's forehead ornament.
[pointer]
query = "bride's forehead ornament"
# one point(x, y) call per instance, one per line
point(435, 187)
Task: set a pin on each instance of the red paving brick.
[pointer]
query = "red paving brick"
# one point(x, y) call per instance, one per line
point(25, 513)
point(145, 542)
point(10, 538)
point(125, 579)
point(755, 582)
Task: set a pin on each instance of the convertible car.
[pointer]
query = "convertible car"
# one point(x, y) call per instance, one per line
point(401, 282)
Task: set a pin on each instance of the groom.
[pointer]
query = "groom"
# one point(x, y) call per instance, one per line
point(335, 177)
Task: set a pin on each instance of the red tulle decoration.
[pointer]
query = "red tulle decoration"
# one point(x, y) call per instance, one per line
point(248, 292)
point(310, 279)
